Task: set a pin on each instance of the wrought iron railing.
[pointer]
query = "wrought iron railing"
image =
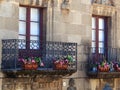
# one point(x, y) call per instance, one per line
point(49, 51)
point(103, 62)
point(105, 2)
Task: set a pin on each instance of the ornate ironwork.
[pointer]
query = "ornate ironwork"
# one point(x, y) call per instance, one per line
point(13, 49)
point(103, 63)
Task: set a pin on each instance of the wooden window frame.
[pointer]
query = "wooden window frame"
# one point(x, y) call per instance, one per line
point(97, 32)
point(27, 36)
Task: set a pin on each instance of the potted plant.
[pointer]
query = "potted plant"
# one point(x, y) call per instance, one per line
point(31, 63)
point(63, 63)
point(104, 66)
point(116, 66)
point(93, 67)
point(39, 61)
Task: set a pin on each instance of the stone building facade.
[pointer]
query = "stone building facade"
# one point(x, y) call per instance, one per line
point(66, 21)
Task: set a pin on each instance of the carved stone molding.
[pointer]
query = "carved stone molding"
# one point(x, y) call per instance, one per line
point(65, 4)
point(105, 2)
point(42, 3)
point(103, 10)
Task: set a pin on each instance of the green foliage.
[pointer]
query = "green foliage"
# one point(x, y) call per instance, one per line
point(37, 59)
point(70, 59)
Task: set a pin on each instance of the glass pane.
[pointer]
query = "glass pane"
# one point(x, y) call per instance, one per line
point(101, 44)
point(22, 45)
point(34, 14)
point(22, 13)
point(34, 38)
point(101, 50)
point(101, 23)
point(101, 47)
point(34, 28)
point(101, 35)
point(93, 23)
point(34, 44)
point(93, 47)
point(93, 44)
point(22, 37)
point(22, 27)
point(93, 35)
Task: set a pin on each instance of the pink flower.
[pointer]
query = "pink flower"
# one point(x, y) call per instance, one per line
point(33, 61)
point(22, 60)
point(66, 61)
point(55, 62)
point(41, 64)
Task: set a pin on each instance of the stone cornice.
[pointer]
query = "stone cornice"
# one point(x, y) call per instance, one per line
point(104, 10)
point(104, 2)
point(40, 3)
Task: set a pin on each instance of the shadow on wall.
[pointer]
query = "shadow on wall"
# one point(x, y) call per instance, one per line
point(71, 84)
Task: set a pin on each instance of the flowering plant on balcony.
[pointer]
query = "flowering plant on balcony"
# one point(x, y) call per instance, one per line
point(63, 63)
point(111, 66)
point(116, 66)
point(104, 66)
point(93, 66)
point(31, 63)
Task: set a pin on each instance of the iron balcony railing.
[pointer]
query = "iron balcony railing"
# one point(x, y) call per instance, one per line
point(14, 49)
point(103, 62)
point(105, 2)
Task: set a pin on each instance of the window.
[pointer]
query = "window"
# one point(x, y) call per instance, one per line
point(99, 34)
point(30, 25)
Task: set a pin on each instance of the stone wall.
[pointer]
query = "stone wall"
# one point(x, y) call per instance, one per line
point(26, 83)
point(8, 24)
point(9, 20)
point(117, 22)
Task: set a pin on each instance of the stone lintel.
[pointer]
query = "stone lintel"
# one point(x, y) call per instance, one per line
point(103, 10)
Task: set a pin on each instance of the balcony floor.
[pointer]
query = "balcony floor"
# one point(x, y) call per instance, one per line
point(39, 71)
point(103, 75)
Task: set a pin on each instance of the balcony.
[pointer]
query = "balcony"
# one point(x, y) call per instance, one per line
point(103, 63)
point(46, 53)
point(104, 2)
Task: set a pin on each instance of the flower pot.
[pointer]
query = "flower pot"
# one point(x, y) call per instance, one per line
point(27, 66)
point(59, 66)
point(64, 66)
point(30, 66)
point(34, 66)
point(103, 69)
